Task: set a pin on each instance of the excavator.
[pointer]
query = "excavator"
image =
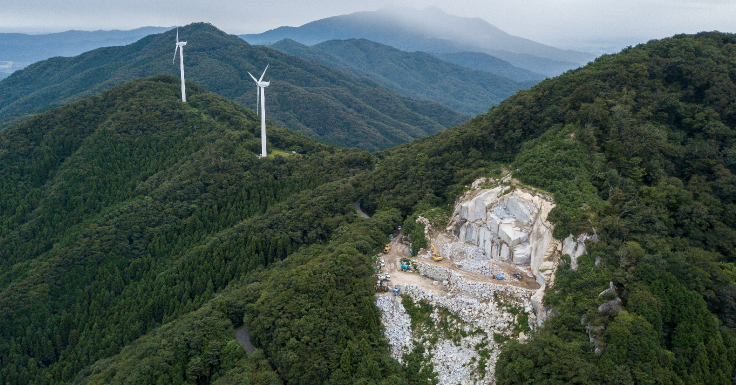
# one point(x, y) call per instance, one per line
point(434, 254)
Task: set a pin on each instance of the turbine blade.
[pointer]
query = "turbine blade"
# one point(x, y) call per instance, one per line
point(253, 77)
point(264, 73)
point(177, 35)
point(173, 61)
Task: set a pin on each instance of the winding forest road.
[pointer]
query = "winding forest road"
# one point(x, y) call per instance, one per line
point(243, 338)
point(359, 211)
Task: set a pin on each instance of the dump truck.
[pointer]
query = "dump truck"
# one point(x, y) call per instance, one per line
point(404, 267)
point(396, 290)
point(434, 254)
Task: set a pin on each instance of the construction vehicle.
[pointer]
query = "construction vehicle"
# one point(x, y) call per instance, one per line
point(499, 277)
point(404, 267)
point(382, 288)
point(386, 248)
point(396, 290)
point(518, 276)
point(434, 254)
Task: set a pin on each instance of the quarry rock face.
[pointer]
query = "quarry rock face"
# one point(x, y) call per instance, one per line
point(497, 243)
point(509, 226)
point(514, 229)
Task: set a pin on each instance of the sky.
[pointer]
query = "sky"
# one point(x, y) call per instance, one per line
point(592, 25)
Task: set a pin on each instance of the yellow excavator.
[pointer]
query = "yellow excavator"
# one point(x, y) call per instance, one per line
point(434, 254)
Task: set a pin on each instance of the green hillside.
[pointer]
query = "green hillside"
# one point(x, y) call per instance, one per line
point(415, 74)
point(327, 105)
point(127, 210)
point(139, 232)
point(637, 148)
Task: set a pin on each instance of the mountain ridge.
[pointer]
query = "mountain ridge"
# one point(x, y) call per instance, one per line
point(415, 74)
point(430, 30)
point(323, 103)
point(20, 50)
point(488, 63)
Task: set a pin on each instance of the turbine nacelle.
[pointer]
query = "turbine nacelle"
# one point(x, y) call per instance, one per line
point(178, 45)
point(260, 81)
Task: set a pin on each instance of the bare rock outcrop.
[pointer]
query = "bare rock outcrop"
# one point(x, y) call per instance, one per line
point(510, 225)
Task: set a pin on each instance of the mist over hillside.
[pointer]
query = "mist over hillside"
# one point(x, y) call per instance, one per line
point(430, 30)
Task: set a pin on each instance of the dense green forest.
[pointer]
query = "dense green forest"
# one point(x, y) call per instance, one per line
point(139, 232)
point(129, 209)
point(325, 104)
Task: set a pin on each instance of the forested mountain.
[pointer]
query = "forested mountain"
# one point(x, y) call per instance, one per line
point(637, 148)
point(17, 50)
point(153, 231)
point(488, 63)
point(430, 30)
point(325, 104)
point(415, 74)
point(129, 210)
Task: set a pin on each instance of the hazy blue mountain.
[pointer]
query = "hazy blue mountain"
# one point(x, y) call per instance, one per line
point(18, 50)
point(325, 104)
point(492, 64)
point(430, 30)
point(415, 74)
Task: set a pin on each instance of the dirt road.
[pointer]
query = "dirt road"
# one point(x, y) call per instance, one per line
point(401, 250)
point(398, 251)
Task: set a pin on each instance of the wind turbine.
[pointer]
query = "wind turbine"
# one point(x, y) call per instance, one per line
point(180, 46)
point(261, 94)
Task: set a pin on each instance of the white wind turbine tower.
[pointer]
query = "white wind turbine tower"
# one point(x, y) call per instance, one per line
point(261, 94)
point(180, 46)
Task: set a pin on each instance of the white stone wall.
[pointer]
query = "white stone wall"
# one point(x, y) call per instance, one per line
point(512, 227)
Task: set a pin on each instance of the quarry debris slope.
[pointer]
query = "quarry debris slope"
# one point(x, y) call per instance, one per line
point(461, 312)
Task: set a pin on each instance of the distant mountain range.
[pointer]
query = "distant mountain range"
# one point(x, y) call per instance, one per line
point(17, 50)
point(430, 30)
point(485, 62)
point(332, 106)
point(414, 74)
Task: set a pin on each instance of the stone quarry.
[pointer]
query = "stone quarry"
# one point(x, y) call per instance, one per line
point(496, 231)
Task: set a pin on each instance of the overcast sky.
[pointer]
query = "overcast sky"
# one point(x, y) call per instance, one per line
point(562, 23)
